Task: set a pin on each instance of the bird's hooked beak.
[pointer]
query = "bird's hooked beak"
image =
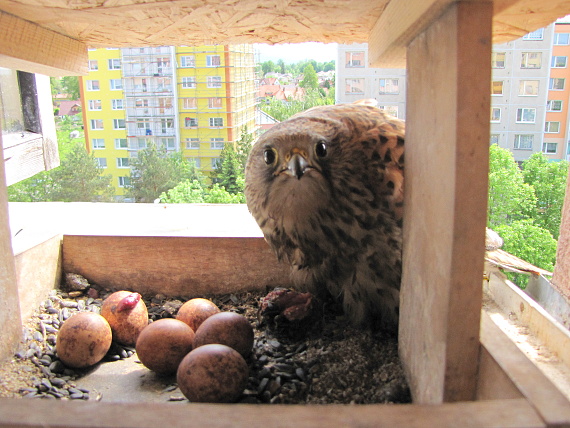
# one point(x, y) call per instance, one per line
point(297, 165)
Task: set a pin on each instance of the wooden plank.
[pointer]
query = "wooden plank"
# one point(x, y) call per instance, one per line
point(548, 401)
point(174, 266)
point(400, 23)
point(447, 146)
point(38, 271)
point(28, 47)
point(561, 277)
point(492, 382)
point(17, 413)
point(10, 321)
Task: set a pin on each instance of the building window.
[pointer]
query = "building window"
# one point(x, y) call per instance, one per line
point(214, 102)
point(391, 110)
point(213, 61)
point(93, 85)
point(549, 148)
point(166, 125)
point(494, 139)
point(96, 124)
point(124, 181)
point(187, 61)
point(216, 122)
point(122, 162)
point(116, 84)
point(535, 35)
point(141, 102)
point(561, 38)
point(189, 103)
point(215, 163)
point(216, 143)
point(93, 65)
point(389, 87)
point(556, 84)
point(531, 60)
point(94, 104)
point(114, 64)
point(495, 114)
point(214, 82)
point(119, 124)
point(190, 122)
point(101, 162)
point(552, 127)
point(528, 88)
point(526, 115)
point(121, 143)
point(197, 161)
point(497, 87)
point(188, 82)
point(141, 143)
point(193, 143)
point(498, 59)
point(554, 105)
point(355, 59)
point(98, 143)
point(143, 124)
point(524, 141)
point(559, 61)
point(354, 86)
point(118, 104)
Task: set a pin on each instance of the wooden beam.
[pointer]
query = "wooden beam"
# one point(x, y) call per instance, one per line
point(174, 266)
point(548, 401)
point(18, 413)
point(28, 47)
point(10, 320)
point(447, 149)
point(400, 23)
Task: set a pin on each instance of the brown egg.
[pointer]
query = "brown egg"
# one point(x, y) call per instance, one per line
point(226, 328)
point(83, 340)
point(127, 315)
point(212, 373)
point(195, 311)
point(163, 344)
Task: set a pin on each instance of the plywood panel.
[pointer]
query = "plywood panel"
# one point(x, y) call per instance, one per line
point(447, 145)
point(174, 266)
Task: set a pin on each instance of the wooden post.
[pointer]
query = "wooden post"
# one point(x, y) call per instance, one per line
point(10, 321)
point(447, 149)
point(561, 278)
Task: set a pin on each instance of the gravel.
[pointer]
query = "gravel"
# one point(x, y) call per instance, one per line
point(323, 361)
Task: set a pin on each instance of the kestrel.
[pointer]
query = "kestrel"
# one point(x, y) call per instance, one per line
point(326, 188)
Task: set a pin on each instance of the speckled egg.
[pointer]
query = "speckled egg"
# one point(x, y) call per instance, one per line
point(212, 373)
point(195, 311)
point(226, 328)
point(163, 344)
point(83, 340)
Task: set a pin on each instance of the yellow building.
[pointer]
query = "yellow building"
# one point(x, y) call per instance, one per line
point(189, 99)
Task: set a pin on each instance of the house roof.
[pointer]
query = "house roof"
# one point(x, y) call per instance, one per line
point(67, 27)
point(67, 108)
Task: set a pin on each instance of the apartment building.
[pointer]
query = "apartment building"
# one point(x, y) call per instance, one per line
point(189, 99)
point(355, 80)
point(529, 91)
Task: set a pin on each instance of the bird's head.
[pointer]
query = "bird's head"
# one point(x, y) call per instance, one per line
point(290, 166)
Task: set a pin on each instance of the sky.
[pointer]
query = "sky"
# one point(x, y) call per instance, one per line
point(295, 52)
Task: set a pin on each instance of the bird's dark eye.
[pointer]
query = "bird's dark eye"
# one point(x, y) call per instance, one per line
point(269, 156)
point(321, 149)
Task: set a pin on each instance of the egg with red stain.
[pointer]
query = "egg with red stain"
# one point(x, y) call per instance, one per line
point(127, 315)
point(163, 344)
point(83, 340)
point(212, 373)
point(226, 328)
point(195, 311)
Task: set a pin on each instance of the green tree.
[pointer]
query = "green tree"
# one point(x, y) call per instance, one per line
point(243, 146)
point(510, 198)
point(189, 191)
point(70, 85)
point(219, 195)
point(549, 182)
point(268, 67)
point(310, 79)
point(530, 243)
point(229, 169)
point(154, 171)
point(329, 66)
point(280, 66)
point(79, 179)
